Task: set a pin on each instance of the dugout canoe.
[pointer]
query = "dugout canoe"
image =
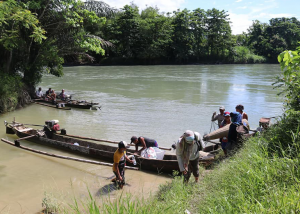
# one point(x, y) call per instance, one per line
point(53, 106)
point(71, 103)
point(223, 132)
point(98, 150)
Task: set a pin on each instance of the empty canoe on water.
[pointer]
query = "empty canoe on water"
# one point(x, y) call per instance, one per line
point(98, 150)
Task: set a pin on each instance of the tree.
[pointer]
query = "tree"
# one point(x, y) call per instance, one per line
point(182, 37)
point(218, 32)
point(198, 28)
point(59, 32)
point(289, 63)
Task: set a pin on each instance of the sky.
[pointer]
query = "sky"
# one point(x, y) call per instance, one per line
point(241, 12)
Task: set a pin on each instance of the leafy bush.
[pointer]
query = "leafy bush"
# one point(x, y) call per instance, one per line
point(243, 55)
point(10, 87)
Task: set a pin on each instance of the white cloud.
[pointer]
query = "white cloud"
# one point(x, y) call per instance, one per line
point(238, 0)
point(163, 5)
point(245, 7)
point(240, 22)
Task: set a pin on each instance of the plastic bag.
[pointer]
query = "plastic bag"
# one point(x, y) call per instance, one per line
point(149, 153)
point(159, 153)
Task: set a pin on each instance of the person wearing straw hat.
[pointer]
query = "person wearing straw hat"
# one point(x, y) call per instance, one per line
point(120, 158)
point(220, 117)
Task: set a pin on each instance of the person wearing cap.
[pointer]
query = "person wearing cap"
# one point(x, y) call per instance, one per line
point(225, 122)
point(144, 142)
point(220, 117)
point(120, 158)
point(187, 152)
point(39, 93)
point(240, 108)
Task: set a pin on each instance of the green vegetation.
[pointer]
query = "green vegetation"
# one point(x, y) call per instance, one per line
point(36, 36)
point(244, 55)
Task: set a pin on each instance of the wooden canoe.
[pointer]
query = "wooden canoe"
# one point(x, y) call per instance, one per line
point(71, 103)
point(223, 132)
point(101, 151)
point(53, 106)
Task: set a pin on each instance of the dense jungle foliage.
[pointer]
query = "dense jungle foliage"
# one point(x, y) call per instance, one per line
point(39, 36)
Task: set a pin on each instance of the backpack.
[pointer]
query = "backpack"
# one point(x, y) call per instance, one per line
point(199, 145)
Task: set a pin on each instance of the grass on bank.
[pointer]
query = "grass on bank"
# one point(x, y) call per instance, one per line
point(262, 177)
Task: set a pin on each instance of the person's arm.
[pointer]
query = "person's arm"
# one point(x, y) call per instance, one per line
point(143, 144)
point(136, 147)
point(214, 117)
point(130, 161)
point(246, 116)
point(116, 166)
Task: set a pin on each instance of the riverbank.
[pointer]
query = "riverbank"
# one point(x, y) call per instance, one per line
point(263, 177)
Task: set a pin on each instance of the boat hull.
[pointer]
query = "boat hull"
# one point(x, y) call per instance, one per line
point(101, 151)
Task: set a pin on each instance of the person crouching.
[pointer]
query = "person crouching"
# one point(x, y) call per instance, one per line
point(120, 158)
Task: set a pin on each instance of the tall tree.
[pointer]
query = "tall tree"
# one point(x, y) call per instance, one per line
point(60, 32)
point(218, 32)
point(182, 37)
point(198, 18)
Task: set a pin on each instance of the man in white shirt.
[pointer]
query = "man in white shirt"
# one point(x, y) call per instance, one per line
point(220, 117)
point(39, 93)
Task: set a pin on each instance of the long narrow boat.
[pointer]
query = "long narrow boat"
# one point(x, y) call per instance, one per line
point(97, 150)
point(71, 103)
point(53, 106)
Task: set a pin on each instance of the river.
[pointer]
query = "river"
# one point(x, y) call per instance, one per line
point(159, 102)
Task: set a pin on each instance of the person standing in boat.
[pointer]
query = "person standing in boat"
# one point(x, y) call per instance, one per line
point(120, 158)
point(187, 152)
point(39, 93)
point(225, 122)
point(144, 142)
point(240, 108)
point(236, 120)
point(220, 117)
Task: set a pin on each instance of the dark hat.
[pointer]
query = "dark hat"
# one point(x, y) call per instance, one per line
point(123, 144)
point(133, 138)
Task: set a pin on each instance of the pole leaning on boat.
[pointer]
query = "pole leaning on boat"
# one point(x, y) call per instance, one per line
point(17, 144)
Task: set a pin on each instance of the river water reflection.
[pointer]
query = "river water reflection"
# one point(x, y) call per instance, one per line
point(159, 102)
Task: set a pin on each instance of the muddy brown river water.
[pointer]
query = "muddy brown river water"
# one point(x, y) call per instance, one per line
point(159, 102)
